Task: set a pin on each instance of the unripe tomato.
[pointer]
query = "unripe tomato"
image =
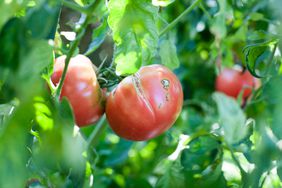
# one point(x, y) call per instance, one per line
point(232, 82)
point(81, 88)
point(145, 104)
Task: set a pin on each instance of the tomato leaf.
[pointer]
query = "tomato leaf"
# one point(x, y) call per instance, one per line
point(15, 137)
point(168, 54)
point(98, 37)
point(36, 60)
point(232, 118)
point(273, 96)
point(12, 38)
point(66, 113)
point(203, 152)
point(133, 23)
point(7, 10)
point(42, 20)
point(43, 114)
point(279, 169)
point(259, 54)
point(173, 177)
point(162, 3)
point(119, 154)
point(218, 24)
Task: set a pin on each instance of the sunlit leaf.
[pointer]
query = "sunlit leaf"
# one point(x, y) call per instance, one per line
point(133, 23)
point(43, 114)
point(9, 8)
point(162, 3)
point(232, 118)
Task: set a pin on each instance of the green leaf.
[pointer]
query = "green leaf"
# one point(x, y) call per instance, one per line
point(173, 177)
point(260, 56)
point(13, 147)
point(256, 16)
point(279, 169)
point(98, 37)
point(13, 35)
point(9, 8)
point(43, 114)
point(119, 154)
point(42, 21)
point(203, 152)
point(66, 112)
point(162, 3)
point(218, 24)
point(202, 162)
point(273, 95)
point(168, 54)
point(133, 23)
point(39, 58)
point(232, 118)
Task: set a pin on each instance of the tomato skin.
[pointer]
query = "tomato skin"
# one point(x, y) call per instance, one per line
point(232, 82)
point(145, 104)
point(81, 88)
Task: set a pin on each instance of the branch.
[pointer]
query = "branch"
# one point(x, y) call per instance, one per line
point(175, 21)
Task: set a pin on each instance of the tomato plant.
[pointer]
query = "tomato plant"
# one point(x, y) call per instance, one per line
point(232, 82)
point(81, 88)
point(148, 103)
point(144, 51)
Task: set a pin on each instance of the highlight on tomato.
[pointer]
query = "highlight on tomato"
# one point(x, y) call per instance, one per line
point(145, 104)
point(232, 82)
point(81, 88)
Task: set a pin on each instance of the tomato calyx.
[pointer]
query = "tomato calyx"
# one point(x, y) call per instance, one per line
point(107, 77)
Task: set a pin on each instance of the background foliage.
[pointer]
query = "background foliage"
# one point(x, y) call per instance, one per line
point(216, 142)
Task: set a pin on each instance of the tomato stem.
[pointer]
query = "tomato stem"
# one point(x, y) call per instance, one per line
point(95, 135)
point(73, 6)
point(80, 32)
point(176, 20)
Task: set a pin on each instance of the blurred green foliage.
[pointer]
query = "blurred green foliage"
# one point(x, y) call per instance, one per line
point(217, 141)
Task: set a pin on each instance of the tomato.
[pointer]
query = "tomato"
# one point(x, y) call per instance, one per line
point(145, 104)
point(232, 82)
point(81, 88)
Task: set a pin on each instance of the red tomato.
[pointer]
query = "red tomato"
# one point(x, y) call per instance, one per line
point(81, 88)
point(232, 82)
point(145, 104)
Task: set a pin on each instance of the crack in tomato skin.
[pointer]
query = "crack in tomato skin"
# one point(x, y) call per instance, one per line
point(140, 91)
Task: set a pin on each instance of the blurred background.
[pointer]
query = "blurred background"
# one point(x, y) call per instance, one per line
point(217, 141)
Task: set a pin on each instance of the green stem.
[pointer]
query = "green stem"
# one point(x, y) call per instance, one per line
point(69, 55)
point(80, 32)
point(95, 135)
point(205, 12)
point(73, 6)
point(243, 173)
point(175, 21)
point(270, 61)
